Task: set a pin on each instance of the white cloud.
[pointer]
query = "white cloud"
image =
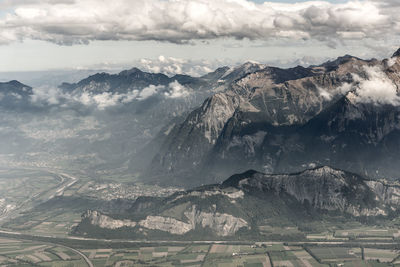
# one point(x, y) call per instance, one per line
point(149, 91)
point(171, 66)
point(105, 100)
point(176, 90)
point(79, 22)
point(49, 95)
point(325, 94)
point(377, 88)
point(372, 85)
point(54, 96)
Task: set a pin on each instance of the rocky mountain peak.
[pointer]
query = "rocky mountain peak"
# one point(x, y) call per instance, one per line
point(397, 53)
point(236, 178)
point(334, 64)
point(323, 171)
point(130, 72)
point(15, 86)
point(13, 83)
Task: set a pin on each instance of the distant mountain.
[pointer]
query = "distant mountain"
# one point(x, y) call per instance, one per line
point(15, 87)
point(13, 94)
point(278, 120)
point(245, 204)
point(125, 80)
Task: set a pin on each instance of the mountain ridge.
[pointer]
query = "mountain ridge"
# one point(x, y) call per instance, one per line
point(242, 204)
point(265, 114)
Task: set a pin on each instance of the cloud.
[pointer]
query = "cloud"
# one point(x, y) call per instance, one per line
point(325, 94)
point(176, 90)
point(172, 66)
point(53, 96)
point(69, 22)
point(372, 85)
point(376, 88)
point(169, 66)
point(149, 91)
point(45, 94)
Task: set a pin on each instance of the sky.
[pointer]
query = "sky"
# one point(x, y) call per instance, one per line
point(191, 35)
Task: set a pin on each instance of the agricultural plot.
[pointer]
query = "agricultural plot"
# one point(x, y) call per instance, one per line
point(336, 254)
point(268, 230)
point(260, 255)
point(363, 233)
point(326, 236)
point(145, 256)
point(26, 253)
point(55, 227)
point(51, 223)
point(365, 264)
point(383, 255)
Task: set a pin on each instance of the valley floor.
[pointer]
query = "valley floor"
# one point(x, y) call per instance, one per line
point(41, 237)
point(25, 250)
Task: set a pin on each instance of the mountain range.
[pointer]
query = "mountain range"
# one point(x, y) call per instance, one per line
point(102, 123)
point(321, 143)
point(343, 113)
point(190, 131)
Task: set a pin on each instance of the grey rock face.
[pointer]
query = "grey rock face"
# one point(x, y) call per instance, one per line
point(285, 121)
point(104, 221)
point(220, 224)
point(245, 201)
point(327, 189)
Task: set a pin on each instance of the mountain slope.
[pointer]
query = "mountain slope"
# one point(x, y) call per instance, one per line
point(276, 120)
point(246, 203)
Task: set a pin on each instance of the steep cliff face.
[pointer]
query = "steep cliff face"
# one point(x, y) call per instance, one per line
point(104, 221)
point(219, 224)
point(188, 143)
point(386, 193)
point(342, 113)
point(324, 189)
point(245, 202)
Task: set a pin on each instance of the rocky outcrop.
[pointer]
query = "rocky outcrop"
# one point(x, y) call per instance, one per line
point(248, 200)
point(326, 189)
point(104, 221)
point(388, 193)
point(220, 224)
point(166, 224)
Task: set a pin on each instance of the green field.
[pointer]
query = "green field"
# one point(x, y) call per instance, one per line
point(365, 232)
point(336, 254)
point(15, 252)
point(353, 256)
